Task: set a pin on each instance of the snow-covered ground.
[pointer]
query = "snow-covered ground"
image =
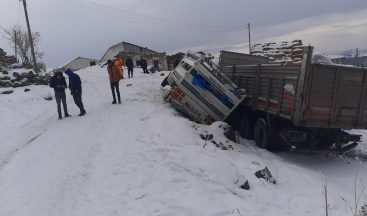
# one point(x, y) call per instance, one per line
point(141, 157)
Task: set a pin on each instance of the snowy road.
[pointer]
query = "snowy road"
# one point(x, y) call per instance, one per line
point(141, 158)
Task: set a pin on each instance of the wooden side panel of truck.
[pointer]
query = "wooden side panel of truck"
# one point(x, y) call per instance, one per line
point(309, 95)
point(305, 105)
point(334, 96)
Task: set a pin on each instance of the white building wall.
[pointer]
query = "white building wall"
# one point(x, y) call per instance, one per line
point(79, 63)
point(125, 47)
point(112, 52)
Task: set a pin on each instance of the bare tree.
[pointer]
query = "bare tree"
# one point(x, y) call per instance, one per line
point(17, 37)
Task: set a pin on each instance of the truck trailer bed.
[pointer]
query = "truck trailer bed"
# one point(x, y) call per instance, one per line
point(309, 95)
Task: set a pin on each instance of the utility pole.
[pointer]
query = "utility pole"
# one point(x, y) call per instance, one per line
point(249, 37)
point(15, 45)
point(30, 37)
point(357, 57)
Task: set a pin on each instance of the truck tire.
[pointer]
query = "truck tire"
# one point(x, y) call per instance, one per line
point(261, 134)
point(326, 141)
point(247, 127)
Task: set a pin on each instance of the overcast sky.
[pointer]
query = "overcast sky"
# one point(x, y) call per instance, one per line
point(72, 28)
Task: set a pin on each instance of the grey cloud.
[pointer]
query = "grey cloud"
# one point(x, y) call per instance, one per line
point(71, 28)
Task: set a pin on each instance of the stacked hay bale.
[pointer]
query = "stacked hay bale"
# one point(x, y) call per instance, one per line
point(284, 52)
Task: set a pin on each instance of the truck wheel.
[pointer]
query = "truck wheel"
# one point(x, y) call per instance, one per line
point(261, 133)
point(326, 141)
point(247, 127)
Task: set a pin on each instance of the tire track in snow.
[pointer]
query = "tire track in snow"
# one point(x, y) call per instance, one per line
point(30, 131)
point(11, 154)
point(118, 168)
point(75, 185)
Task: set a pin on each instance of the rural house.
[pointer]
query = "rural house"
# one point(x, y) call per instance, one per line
point(80, 63)
point(124, 50)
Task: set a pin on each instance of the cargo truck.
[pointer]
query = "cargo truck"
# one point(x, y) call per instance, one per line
point(304, 107)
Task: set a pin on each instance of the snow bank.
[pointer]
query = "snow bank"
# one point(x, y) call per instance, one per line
point(143, 158)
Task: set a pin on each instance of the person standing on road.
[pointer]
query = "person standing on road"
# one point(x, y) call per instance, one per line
point(130, 67)
point(58, 83)
point(118, 63)
point(114, 75)
point(75, 86)
point(144, 65)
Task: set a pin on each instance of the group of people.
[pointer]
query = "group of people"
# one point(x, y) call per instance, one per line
point(115, 72)
point(130, 66)
point(58, 83)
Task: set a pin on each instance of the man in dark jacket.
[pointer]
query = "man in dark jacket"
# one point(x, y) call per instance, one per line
point(75, 86)
point(58, 83)
point(130, 66)
point(144, 65)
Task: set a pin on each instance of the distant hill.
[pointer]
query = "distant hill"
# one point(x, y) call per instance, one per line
point(352, 52)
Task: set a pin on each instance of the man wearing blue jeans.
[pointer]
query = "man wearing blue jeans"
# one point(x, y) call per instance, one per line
point(58, 83)
point(75, 86)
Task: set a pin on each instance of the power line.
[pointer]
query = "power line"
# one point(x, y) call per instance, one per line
point(161, 18)
point(153, 19)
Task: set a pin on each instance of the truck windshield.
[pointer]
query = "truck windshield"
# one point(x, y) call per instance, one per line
point(213, 68)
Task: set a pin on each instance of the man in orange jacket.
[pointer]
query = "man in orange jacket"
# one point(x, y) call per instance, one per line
point(118, 62)
point(114, 73)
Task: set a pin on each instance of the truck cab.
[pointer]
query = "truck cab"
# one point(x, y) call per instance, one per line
point(201, 91)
